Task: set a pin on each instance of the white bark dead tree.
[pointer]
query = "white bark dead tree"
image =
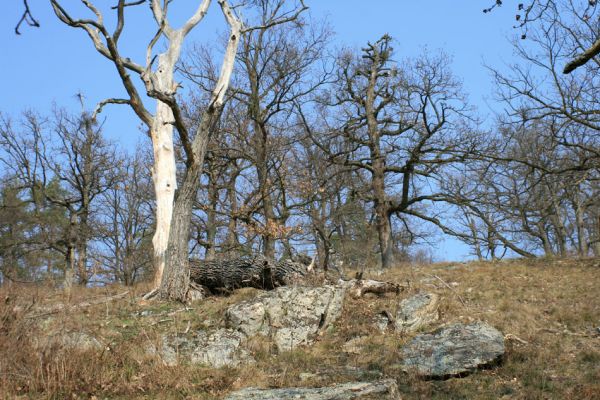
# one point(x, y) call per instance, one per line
point(158, 78)
point(170, 251)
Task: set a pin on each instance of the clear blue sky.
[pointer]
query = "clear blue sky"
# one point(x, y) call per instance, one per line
point(51, 64)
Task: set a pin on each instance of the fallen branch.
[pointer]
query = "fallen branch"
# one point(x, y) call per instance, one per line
point(511, 337)
point(451, 288)
point(359, 287)
point(62, 307)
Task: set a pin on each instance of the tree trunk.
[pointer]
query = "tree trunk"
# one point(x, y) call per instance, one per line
point(165, 184)
point(82, 242)
point(382, 214)
point(164, 169)
point(211, 216)
point(258, 272)
point(70, 258)
point(265, 190)
point(582, 239)
point(175, 282)
point(475, 235)
point(176, 278)
point(82, 265)
point(384, 231)
point(233, 243)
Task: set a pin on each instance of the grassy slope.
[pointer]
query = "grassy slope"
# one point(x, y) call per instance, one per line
point(553, 306)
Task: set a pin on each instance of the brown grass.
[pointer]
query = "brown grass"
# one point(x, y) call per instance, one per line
point(552, 307)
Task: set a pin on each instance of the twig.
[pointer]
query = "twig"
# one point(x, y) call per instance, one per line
point(27, 17)
point(180, 310)
point(451, 288)
point(161, 321)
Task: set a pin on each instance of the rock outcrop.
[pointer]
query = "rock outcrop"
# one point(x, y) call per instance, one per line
point(384, 389)
point(417, 312)
point(290, 316)
point(218, 349)
point(454, 350)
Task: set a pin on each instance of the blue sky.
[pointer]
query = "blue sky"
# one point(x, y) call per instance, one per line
point(51, 64)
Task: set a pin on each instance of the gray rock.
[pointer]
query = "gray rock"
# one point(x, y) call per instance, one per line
point(385, 389)
point(218, 349)
point(381, 322)
point(454, 350)
point(416, 312)
point(290, 316)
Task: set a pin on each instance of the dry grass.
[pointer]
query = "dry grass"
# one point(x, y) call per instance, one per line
point(552, 307)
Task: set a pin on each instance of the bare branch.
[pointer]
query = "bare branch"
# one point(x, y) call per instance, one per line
point(27, 17)
point(583, 58)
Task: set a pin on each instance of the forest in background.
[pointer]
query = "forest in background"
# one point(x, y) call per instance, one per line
point(360, 157)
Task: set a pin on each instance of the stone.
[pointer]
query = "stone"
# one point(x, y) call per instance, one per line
point(384, 389)
point(381, 322)
point(290, 316)
point(417, 312)
point(218, 349)
point(454, 350)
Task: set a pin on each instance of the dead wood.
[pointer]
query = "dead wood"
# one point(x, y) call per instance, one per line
point(222, 276)
point(360, 287)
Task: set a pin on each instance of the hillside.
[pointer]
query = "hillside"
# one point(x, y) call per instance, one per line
point(548, 311)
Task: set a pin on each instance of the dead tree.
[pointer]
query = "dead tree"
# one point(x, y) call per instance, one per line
point(254, 271)
point(173, 215)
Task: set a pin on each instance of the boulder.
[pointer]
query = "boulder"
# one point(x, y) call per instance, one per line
point(417, 312)
point(218, 349)
point(454, 350)
point(290, 316)
point(384, 389)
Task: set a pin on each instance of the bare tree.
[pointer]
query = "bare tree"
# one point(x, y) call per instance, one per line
point(172, 214)
point(126, 223)
point(275, 68)
point(577, 18)
point(72, 153)
point(541, 177)
point(400, 127)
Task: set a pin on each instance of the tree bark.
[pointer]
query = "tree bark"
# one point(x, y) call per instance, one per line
point(176, 277)
point(211, 215)
point(175, 282)
point(257, 271)
point(164, 169)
